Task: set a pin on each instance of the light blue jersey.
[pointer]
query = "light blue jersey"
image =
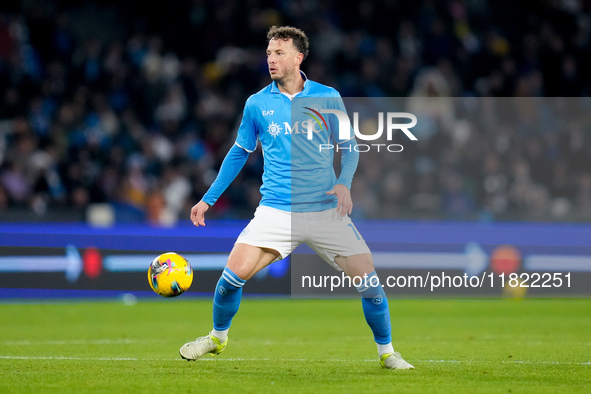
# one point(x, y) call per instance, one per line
point(293, 179)
point(297, 173)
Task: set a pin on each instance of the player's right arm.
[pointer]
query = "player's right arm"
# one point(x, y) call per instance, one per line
point(198, 213)
point(231, 166)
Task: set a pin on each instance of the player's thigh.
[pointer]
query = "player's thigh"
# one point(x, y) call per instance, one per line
point(270, 228)
point(337, 241)
point(356, 265)
point(246, 260)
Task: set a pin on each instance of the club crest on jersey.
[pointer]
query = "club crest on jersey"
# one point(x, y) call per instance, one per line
point(274, 129)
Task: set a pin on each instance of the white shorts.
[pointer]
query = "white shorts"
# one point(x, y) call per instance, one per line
point(327, 233)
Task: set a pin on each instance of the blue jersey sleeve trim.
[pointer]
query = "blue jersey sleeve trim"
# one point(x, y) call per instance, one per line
point(231, 166)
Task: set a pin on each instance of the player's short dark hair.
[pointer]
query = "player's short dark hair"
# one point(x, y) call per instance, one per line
point(300, 41)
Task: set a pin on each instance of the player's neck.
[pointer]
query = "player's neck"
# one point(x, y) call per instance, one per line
point(293, 85)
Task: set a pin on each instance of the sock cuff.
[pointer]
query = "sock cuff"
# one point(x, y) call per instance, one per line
point(371, 281)
point(385, 348)
point(232, 278)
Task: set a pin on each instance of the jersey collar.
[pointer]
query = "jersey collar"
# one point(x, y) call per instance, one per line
point(275, 88)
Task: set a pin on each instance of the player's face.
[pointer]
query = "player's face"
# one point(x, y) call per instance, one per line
point(283, 59)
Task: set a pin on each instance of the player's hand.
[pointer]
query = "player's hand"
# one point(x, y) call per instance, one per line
point(198, 212)
point(344, 202)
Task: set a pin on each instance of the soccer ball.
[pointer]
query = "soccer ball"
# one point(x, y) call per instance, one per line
point(170, 275)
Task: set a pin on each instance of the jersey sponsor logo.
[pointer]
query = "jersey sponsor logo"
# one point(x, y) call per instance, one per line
point(307, 127)
point(274, 129)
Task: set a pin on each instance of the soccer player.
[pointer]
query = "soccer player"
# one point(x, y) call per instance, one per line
point(315, 214)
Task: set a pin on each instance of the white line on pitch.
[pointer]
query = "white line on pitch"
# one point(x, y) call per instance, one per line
point(74, 342)
point(70, 358)
point(5, 357)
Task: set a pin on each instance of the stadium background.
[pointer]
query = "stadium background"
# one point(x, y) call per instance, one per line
point(119, 113)
point(115, 116)
point(136, 104)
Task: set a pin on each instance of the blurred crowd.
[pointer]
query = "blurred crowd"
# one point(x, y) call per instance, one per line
point(132, 106)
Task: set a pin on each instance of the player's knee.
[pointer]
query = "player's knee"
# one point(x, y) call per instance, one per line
point(356, 265)
point(246, 260)
point(242, 269)
point(242, 261)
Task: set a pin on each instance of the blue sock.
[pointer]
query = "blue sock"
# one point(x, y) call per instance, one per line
point(375, 308)
point(226, 299)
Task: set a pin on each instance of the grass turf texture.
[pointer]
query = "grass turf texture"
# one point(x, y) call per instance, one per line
point(297, 346)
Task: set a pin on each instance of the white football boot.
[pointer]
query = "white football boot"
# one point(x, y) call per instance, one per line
point(394, 361)
point(208, 344)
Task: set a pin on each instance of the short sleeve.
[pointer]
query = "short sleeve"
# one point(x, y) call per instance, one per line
point(247, 132)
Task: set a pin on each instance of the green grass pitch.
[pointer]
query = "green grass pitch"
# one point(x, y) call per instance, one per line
point(297, 346)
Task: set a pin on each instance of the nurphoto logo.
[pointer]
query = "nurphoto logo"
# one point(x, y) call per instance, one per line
point(345, 129)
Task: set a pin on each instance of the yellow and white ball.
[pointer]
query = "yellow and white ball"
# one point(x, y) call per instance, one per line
point(170, 275)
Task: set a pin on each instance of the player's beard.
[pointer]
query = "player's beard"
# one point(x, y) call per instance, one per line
point(277, 76)
point(283, 78)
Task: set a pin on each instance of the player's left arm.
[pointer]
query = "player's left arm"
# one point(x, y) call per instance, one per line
point(349, 161)
point(342, 189)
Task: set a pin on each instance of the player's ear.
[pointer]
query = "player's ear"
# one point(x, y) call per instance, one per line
point(300, 58)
